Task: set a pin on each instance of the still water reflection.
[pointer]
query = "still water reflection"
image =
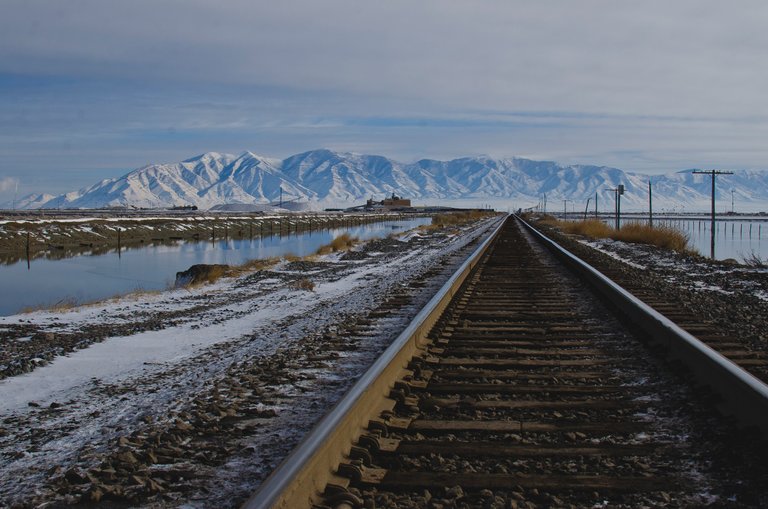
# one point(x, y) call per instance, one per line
point(92, 277)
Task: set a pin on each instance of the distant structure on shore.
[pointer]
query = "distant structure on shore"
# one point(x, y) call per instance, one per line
point(394, 202)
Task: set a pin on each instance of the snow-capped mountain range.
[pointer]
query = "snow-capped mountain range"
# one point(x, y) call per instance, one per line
point(324, 178)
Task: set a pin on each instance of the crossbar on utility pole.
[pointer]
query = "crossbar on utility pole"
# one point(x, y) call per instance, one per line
point(712, 173)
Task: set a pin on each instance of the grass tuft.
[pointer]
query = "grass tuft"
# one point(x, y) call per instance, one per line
point(662, 236)
point(341, 243)
point(259, 264)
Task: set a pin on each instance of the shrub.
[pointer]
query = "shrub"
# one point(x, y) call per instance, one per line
point(754, 260)
point(305, 284)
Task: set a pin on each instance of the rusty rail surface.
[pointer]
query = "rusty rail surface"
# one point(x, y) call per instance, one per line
point(516, 384)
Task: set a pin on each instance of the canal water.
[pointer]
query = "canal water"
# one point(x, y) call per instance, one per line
point(87, 278)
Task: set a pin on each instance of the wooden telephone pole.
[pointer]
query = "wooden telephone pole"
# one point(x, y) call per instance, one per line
point(650, 204)
point(712, 173)
point(618, 191)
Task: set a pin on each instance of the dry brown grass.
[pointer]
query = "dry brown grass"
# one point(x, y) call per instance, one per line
point(65, 304)
point(259, 264)
point(637, 233)
point(216, 273)
point(593, 228)
point(212, 275)
point(458, 218)
point(662, 236)
point(343, 242)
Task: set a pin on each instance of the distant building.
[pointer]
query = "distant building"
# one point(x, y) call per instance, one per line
point(391, 203)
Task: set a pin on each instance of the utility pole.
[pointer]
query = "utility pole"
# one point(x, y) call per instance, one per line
point(586, 209)
point(595, 204)
point(712, 173)
point(565, 210)
point(650, 204)
point(732, 209)
point(615, 191)
point(618, 191)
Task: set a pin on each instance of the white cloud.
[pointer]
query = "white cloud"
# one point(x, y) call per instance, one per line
point(657, 57)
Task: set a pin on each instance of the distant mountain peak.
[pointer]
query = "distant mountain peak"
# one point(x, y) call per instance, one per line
point(330, 178)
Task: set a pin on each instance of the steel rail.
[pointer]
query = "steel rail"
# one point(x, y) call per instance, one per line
point(742, 395)
point(303, 475)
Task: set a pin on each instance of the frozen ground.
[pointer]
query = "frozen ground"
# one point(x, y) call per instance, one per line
point(190, 397)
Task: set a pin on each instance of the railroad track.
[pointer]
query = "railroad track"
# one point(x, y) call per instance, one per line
point(517, 387)
point(727, 344)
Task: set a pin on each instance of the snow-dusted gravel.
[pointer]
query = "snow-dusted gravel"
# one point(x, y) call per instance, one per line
point(190, 397)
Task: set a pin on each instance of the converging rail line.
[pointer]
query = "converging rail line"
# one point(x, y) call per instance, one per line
point(518, 387)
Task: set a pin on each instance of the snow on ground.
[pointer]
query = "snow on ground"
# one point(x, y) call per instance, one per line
point(695, 272)
point(600, 246)
point(217, 382)
point(726, 295)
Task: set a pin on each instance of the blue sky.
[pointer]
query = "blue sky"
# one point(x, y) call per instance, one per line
point(91, 89)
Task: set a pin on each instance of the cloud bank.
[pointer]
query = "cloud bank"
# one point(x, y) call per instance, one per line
point(89, 87)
